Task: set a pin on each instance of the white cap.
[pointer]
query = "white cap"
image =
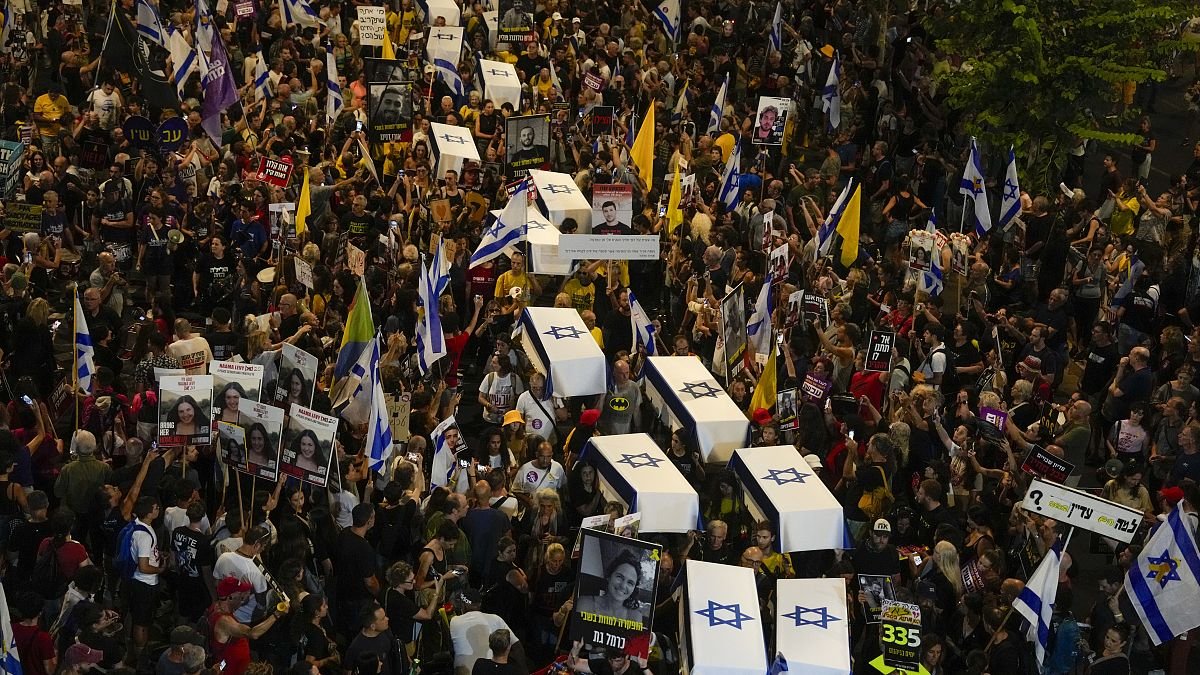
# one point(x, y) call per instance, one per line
point(557, 16)
point(882, 525)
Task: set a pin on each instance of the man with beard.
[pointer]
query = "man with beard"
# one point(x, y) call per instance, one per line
point(528, 154)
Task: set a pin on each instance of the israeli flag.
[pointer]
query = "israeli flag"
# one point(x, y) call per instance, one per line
point(183, 59)
point(730, 194)
point(972, 185)
point(1164, 582)
point(149, 24)
point(262, 78)
point(444, 461)
point(298, 12)
point(825, 232)
point(1036, 601)
point(431, 342)
point(668, 13)
point(932, 282)
point(379, 429)
point(333, 94)
point(84, 351)
point(11, 663)
point(508, 229)
point(831, 98)
point(680, 111)
point(758, 327)
point(1010, 201)
point(205, 33)
point(643, 327)
point(718, 108)
point(777, 28)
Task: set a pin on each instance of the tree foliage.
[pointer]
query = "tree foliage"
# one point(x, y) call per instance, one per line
point(1031, 71)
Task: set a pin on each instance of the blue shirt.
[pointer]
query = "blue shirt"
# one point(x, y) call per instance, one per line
point(248, 236)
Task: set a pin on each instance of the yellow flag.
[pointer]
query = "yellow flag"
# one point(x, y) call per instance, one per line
point(642, 152)
point(848, 227)
point(764, 393)
point(388, 53)
point(303, 207)
point(674, 214)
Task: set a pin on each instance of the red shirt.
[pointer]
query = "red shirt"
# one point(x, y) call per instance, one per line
point(71, 556)
point(869, 384)
point(35, 647)
point(234, 655)
point(455, 346)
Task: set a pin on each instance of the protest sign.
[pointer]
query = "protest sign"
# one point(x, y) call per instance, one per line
point(304, 273)
point(22, 216)
point(612, 209)
point(283, 219)
point(1039, 462)
point(389, 102)
point(815, 307)
point(308, 445)
point(785, 410)
point(814, 389)
point(770, 120)
point(527, 144)
point(1081, 509)
point(231, 440)
point(372, 25)
point(356, 259)
point(879, 351)
point(12, 155)
point(233, 382)
point(877, 588)
point(614, 592)
point(602, 118)
point(172, 133)
point(275, 171)
point(900, 635)
point(185, 410)
point(778, 262)
point(264, 436)
point(733, 329)
point(140, 132)
point(604, 247)
point(399, 412)
point(297, 375)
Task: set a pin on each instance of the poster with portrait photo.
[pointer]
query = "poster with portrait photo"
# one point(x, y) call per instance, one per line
point(527, 144)
point(778, 261)
point(614, 592)
point(877, 588)
point(308, 445)
point(185, 410)
point(297, 377)
point(920, 250)
point(770, 120)
point(794, 309)
point(612, 208)
point(231, 443)
point(785, 410)
point(389, 102)
point(264, 436)
point(960, 251)
point(733, 328)
point(233, 383)
point(515, 24)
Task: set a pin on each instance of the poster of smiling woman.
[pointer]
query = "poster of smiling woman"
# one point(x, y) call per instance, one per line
point(264, 434)
point(614, 593)
point(233, 383)
point(308, 445)
point(185, 410)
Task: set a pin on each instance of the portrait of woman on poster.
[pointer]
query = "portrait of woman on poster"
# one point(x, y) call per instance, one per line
point(185, 415)
point(307, 453)
point(618, 597)
point(229, 400)
point(257, 439)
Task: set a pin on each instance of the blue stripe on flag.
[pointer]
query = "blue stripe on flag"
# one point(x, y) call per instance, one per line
point(1144, 598)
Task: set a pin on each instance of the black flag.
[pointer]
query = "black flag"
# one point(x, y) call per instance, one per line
point(145, 62)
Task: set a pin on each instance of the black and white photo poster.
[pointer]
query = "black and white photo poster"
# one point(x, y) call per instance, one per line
point(264, 435)
point(389, 102)
point(527, 144)
point(297, 377)
point(614, 592)
point(308, 445)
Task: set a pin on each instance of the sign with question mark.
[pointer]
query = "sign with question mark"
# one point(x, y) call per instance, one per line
point(1081, 509)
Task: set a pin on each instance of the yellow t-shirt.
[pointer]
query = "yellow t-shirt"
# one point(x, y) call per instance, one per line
point(53, 108)
point(1121, 223)
point(511, 279)
point(598, 335)
point(582, 297)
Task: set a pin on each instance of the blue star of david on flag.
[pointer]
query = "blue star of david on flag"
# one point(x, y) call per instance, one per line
point(1163, 569)
point(699, 390)
point(824, 618)
point(640, 460)
point(535, 225)
point(560, 332)
point(452, 139)
point(715, 608)
point(785, 476)
point(555, 188)
point(1010, 190)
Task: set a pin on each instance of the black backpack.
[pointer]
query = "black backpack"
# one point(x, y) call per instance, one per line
point(47, 578)
point(951, 382)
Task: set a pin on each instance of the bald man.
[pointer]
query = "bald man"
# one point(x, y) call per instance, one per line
point(289, 316)
point(193, 351)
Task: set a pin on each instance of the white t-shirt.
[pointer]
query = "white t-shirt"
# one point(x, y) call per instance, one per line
point(194, 354)
point(235, 564)
point(935, 363)
point(530, 479)
point(145, 545)
point(107, 107)
point(177, 517)
point(537, 421)
point(469, 634)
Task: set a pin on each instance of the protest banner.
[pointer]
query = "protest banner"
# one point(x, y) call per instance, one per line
point(614, 593)
point(879, 351)
point(372, 25)
point(604, 247)
point(1041, 463)
point(389, 102)
point(275, 171)
point(1081, 509)
point(815, 389)
point(900, 635)
point(602, 119)
point(770, 120)
point(12, 157)
point(399, 412)
point(304, 273)
point(778, 264)
point(264, 437)
point(733, 329)
point(233, 382)
point(22, 216)
point(527, 144)
point(612, 208)
point(185, 410)
point(231, 439)
point(308, 445)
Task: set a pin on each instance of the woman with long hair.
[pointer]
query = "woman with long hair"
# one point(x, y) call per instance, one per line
point(506, 588)
point(258, 445)
point(229, 399)
point(185, 414)
point(314, 644)
point(583, 492)
point(298, 389)
point(307, 454)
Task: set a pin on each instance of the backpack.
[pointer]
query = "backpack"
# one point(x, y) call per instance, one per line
point(878, 501)
point(47, 578)
point(951, 382)
point(126, 560)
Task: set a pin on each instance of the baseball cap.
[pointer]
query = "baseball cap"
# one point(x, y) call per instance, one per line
point(81, 654)
point(186, 635)
point(813, 461)
point(513, 416)
point(882, 525)
point(557, 16)
point(576, 20)
point(230, 585)
point(429, 69)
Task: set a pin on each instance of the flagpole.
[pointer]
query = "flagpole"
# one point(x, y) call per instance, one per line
point(75, 348)
point(962, 221)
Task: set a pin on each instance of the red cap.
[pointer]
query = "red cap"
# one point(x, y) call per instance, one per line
point(762, 417)
point(589, 417)
point(230, 585)
point(1173, 495)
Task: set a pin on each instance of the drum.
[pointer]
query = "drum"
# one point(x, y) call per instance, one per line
point(68, 267)
point(266, 276)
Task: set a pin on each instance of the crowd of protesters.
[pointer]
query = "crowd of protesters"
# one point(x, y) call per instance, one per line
point(1077, 321)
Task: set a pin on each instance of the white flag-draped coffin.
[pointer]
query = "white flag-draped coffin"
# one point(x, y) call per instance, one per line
point(636, 472)
point(687, 396)
point(452, 145)
point(561, 348)
point(444, 8)
point(500, 83)
point(542, 237)
point(812, 625)
point(562, 199)
point(720, 621)
point(781, 489)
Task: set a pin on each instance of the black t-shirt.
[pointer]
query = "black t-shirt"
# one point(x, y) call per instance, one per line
point(354, 560)
point(490, 667)
point(24, 541)
point(382, 645)
point(885, 561)
point(687, 466)
point(1099, 369)
point(224, 344)
point(549, 591)
point(400, 611)
point(359, 226)
point(193, 550)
